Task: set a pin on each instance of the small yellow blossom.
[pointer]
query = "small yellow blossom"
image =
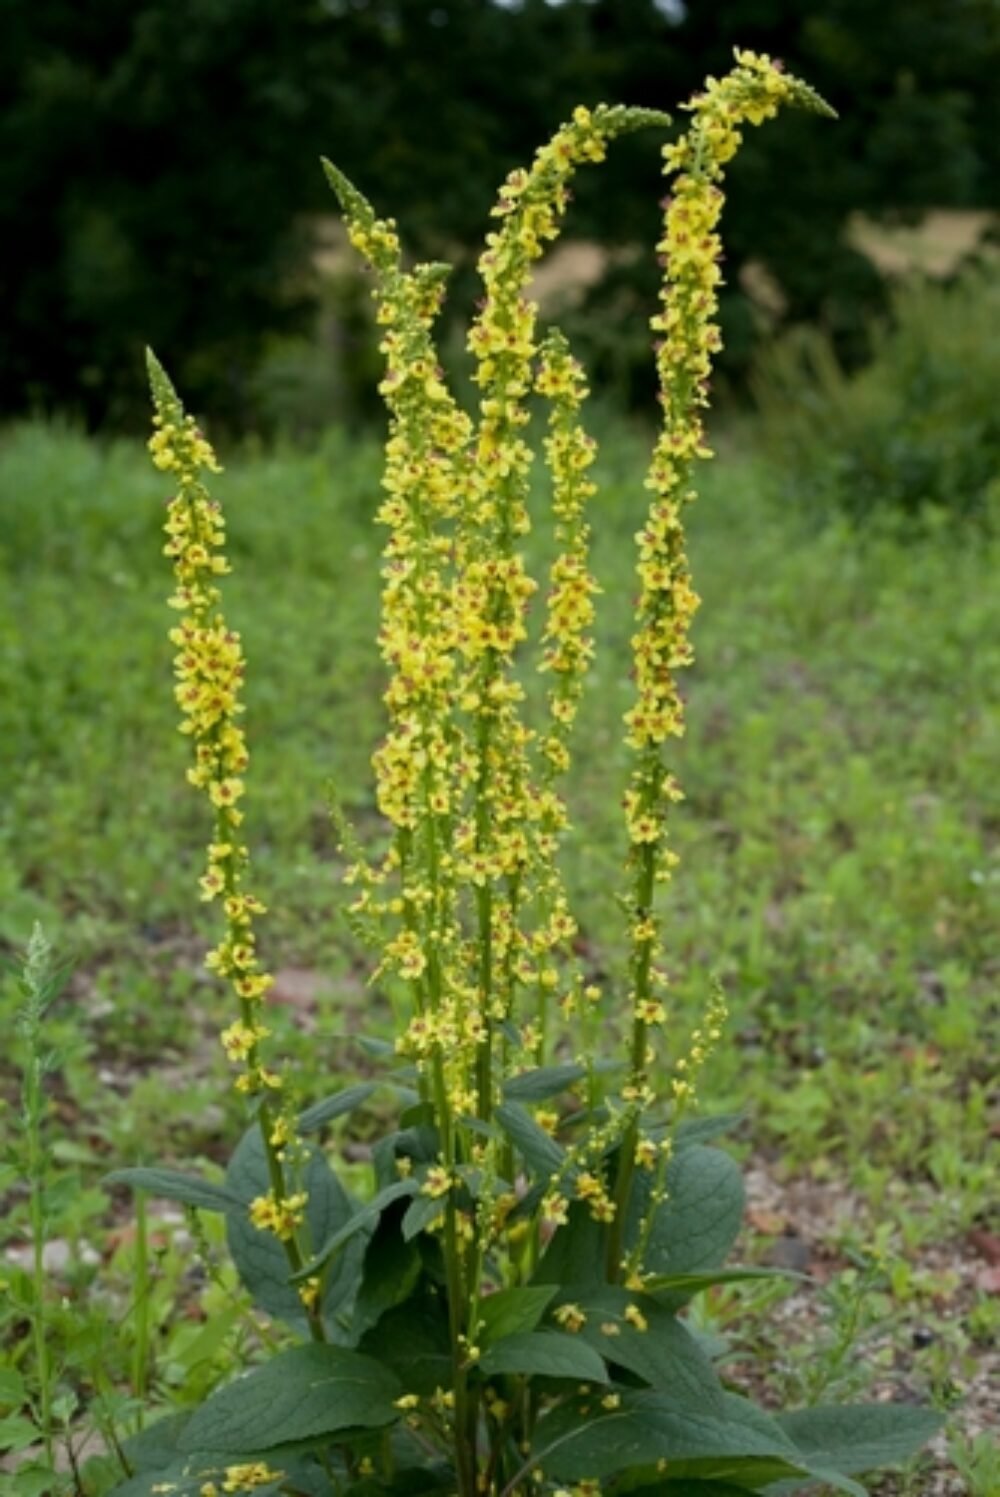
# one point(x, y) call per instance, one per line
point(635, 1318)
point(437, 1182)
point(570, 1317)
point(282, 1217)
point(245, 1478)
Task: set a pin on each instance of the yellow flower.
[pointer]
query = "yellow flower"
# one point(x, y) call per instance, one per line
point(635, 1318)
point(437, 1182)
point(281, 1217)
point(244, 1478)
point(570, 1317)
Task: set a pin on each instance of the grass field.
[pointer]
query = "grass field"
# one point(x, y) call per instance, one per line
point(840, 839)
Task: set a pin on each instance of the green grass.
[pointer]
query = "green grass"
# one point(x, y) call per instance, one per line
point(840, 839)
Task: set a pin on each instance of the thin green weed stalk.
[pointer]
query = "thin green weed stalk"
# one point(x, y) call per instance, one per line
point(39, 986)
point(502, 1314)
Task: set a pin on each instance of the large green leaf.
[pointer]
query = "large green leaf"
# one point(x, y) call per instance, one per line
point(413, 1340)
point(174, 1185)
point(580, 1439)
point(860, 1437)
point(389, 1272)
point(260, 1257)
point(542, 1083)
point(512, 1310)
point(338, 1105)
point(156, 1445)
point(699, 1221)
point(664, 1354)
point(308, 1391)
point(543, 1156)
point(544, 1354)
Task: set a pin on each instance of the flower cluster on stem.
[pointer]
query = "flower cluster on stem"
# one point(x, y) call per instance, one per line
point(209, 669)
point(687, 339)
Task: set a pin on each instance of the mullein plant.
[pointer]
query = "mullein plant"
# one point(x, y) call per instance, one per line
point(505, 1313)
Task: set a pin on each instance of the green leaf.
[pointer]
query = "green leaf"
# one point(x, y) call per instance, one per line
point(704, 1130)
point(699, 1221)
point(336, 1106)
point(186, 1477)
point(308, 1391)
point(173, 1185)
point(678, 1288)
point(361, 1220)
point(17, 1433)
point(579, 1438)
point(544, 1354)
point(665, 1354)
point(512, 1310)
point(260, 1258)
point(156, 1446)
point(389, 1273)
point(413, 1340)
point(31, 1481)
point(539, 1150)
point(860, 1437)
point(542, 1083)
point(12, 1388)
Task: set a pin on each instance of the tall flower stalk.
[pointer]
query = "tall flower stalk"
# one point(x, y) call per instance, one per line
point(687, 339)
point(209, 669)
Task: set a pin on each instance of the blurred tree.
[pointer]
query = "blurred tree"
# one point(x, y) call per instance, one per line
point(158, 172)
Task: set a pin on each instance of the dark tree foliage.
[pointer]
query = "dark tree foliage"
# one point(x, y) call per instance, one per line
point(158, 160)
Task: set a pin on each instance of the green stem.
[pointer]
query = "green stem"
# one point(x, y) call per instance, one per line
point(140, 1352)
point(643, 958)
point(484, 911)
point(36, 1174)
point(464, 1447)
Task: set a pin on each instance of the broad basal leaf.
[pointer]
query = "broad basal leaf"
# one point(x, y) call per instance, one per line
point(302, 1393)
point(860, 1437)
point(579, 1438)
point(633, 1331)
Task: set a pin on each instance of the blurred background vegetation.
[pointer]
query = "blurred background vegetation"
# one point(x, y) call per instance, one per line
point(159, 180)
